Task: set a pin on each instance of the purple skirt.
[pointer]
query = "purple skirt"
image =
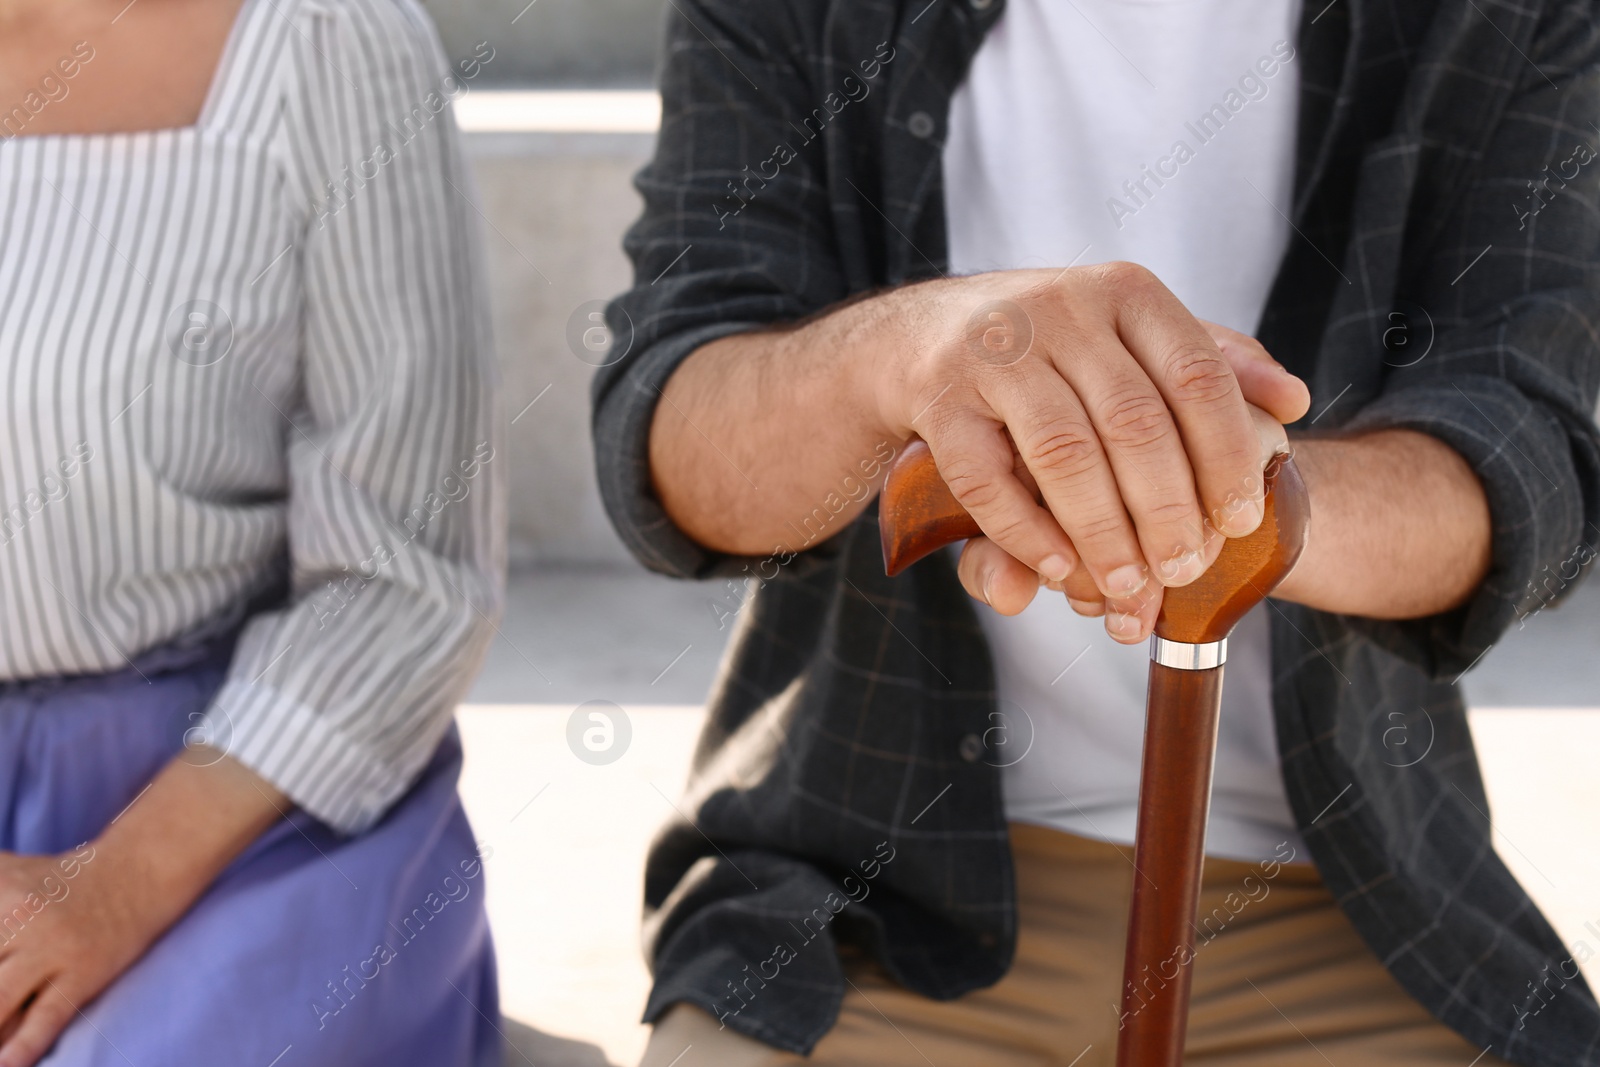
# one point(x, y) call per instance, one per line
point(311, 948)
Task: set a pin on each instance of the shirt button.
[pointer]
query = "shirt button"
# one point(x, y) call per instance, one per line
point(971, 748)
point(920, 124)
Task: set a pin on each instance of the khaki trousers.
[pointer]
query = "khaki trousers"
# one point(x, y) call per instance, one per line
point(1280, 979)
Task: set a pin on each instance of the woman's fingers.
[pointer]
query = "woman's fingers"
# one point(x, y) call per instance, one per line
point(42, 1022)
point(19, 980)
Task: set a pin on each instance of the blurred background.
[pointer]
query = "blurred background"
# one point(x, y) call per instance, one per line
point(555, 126)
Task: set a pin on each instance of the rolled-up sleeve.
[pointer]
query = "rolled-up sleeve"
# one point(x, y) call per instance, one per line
point(723, 246)
point(395, 523)
point(1510, 382)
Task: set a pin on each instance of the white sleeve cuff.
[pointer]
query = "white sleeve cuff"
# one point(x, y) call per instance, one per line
point(323, 770)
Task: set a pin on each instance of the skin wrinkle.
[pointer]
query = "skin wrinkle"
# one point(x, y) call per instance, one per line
point(1401, 527)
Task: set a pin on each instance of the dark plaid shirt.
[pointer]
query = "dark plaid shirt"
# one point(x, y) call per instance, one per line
point(848, 723)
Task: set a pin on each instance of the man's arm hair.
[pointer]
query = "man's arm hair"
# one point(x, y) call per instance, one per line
point(1510, 380)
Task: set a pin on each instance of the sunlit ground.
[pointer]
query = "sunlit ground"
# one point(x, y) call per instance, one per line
point(569, 837)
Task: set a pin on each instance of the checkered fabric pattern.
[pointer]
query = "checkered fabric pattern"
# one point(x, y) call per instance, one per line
point(852, 707)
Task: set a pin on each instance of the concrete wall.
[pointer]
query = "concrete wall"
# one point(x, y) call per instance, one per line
point(556, 208)
point(588, 43)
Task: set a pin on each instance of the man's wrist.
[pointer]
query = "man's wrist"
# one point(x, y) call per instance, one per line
point(1400, 526)
point(1299, 582)
point(887, 336)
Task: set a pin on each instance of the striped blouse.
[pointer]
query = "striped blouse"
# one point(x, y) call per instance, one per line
point(253, 347)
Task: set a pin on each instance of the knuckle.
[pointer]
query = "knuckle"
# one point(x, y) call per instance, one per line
point(1238, 458)
point(1173, 511)
point(1098, 528)
point(1063, 450)
point(936, 420)
point(973, 485)
point(1136, 419)
point(1122, 275)
point(1009, 529)
point(1197, 374)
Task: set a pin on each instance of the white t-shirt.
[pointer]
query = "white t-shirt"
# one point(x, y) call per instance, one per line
point(1160, 133)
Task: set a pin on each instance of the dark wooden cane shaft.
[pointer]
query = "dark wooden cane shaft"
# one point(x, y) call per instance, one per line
point(1174, 796)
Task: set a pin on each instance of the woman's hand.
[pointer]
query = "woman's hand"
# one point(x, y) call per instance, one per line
point(71, 923)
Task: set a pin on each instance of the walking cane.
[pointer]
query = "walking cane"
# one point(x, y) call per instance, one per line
point(917, 514)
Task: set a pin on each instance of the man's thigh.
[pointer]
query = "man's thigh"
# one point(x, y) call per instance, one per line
point(1280, 978)
point(1287, 981)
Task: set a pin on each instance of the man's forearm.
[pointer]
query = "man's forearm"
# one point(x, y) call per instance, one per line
point(757, 431)
point(760, 437)
point(1400, 526)
point(771, 441)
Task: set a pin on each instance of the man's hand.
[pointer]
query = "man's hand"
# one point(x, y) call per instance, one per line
point(1100, 435)
point(1092, 390)
point(74, 922)
point(992, 575)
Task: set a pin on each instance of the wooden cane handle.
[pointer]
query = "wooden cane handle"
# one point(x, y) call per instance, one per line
point(918, 514)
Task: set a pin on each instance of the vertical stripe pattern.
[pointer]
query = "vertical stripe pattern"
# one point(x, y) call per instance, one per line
point(256, 339)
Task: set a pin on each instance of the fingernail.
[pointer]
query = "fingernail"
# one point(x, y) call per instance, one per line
point(1124, 627)
point(988, 578)
point(1091, 608)
point(1126, 580)
point(1056, 568)
point(1182, 569)
point(1242, 519)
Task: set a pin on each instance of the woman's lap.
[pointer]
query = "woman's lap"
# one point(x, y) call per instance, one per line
point(309, 949)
